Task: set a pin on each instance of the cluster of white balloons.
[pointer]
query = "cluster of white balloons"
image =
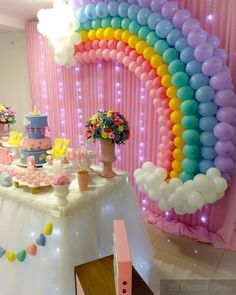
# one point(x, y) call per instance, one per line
point(184, 198)
point(58, 25)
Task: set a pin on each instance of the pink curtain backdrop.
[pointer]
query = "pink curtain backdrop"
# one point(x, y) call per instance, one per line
point(70, 96)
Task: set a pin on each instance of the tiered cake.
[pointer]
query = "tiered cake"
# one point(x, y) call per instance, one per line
point(35, 143)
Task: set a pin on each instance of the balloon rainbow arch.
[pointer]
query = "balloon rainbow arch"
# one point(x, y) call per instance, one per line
point(183, 69)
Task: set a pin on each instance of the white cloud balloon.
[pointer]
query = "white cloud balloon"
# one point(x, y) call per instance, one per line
point(58, 25)
point(184, 198)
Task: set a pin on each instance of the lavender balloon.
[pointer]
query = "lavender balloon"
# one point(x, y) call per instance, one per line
point(224, 131)
point(222, 54)
point(156, 5)
point(203, 51)
point(212, 66)
point(221, 81)
point(190, 25)
point(224, 148)
point(226, 114)
point(180, 17)
point(196, 37)
point(168, 9)
point(224, 164)
point(144, 3)
point(227, 177)
point(213, 40)
point(225, 98)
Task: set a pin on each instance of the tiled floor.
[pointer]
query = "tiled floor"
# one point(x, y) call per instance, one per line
point(181, 258)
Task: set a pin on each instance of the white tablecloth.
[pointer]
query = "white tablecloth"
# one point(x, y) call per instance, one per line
point(83, 231)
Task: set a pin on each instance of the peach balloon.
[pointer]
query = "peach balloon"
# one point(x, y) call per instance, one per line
point(149, 84)
point(106, 54)
point(152, 74)
point(85, 56)
point(133, 54)
point(138, 71)
point(144, 77)
point(88, 45)
point(156, 82)
point(146, 66)
point(128, 50)
point(121, 46)
point(161, 92)
point(80, 47)
point(112, 44)
point(120, 57)
point(132, 66)
point(113, 54)
point(95, 44)
point(103, 44)
point(140, 60)
point(126, 61)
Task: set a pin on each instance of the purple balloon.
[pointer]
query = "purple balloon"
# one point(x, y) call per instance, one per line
point(226, 69)
point(212, 66)
point(168, 9)
point(196, 37)
point(213, 40)
point(156, 5)
point(227, 177)
point(224, 164)
point(224, 131)
point(180, 17)
point(222, 54)
point(224, 148)
point(132, 1)
point(225, 98)
point(144, 3)
point(220, 81)
point(233, 139)
point(203, 51)
point(190, 25)
point(226, 114)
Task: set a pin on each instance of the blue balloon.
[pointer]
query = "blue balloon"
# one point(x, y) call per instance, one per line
point(208, 138)
point(123, 9)
point(208, 153)
point(101, 9)
point(113, 8)
point(152, 39)
point(163, 28)
point(181, 44)
point(207, 109)
point(198, 80)
point(193, 67)
point(81, 16)
point(153, 20)
point(187, 55)
point(207, 123)
point(204, 165)
point(143, 16)
point(90, 11)
point(173, 36)
point(133, 11)
point(205, 94)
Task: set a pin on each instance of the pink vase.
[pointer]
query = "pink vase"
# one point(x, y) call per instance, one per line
point(107, 158)
point(83, 180)
point(1, 130)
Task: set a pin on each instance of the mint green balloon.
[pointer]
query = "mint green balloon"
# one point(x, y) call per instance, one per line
point(191, 136)
point(190, 165)
point(96, 24)
point(116, 22)
point(143, 32)
point(179, 79)
point(151, 39)
point(134, 27)
point(184, 176)
point(86, 26)
point(125, 23)
point(161, 46)
point(176, 66)
point(106, 22)
point(169, 55)
point(191, 151)
point(185, 92)
point(190, 122)
point(189, 107)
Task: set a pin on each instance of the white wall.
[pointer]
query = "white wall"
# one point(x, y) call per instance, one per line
point(14, 76)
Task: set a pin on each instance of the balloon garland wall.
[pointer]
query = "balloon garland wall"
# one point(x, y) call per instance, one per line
point(183, 69)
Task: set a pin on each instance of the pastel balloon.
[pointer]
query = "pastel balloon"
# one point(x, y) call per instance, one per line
point(162, 70)
point(156, 5)
point(185, 92)
point(203, 51)
point(134, 27)
point(181, 44)
point(213, 40)
point(163, 28)
point(113, 8)
point(144, 3)
point(101, 9)
point(196, 37)
point(180, 79)
point(112, 44)
point(221, 53)
point(171, 93)
point(103, 44)
point(224, 131)
point(191, 151)
point(189, 165)
point(225, 98)
point(212, 66)
point(143, 32)
point(224, 164)
point(189, 107)
point(143, 15)
point(116, 22)
point(224, 148)
point(169, 55)
point(190, 25)
point(208, 153)
point(176, 117)
point(176, 66)
point(226, 114)
point(152, 74)
point(228, 178)
point(220, 81)
point(198, 80)
point(173, 36)
point(180, 17)
point(123, 9)
point(168, 9)
point(90, 11)
point(161, 46)
point(187, 55)
point(190, 121)
point(204, 165)
point(191, 136)
point(80, 14)
point(207, 109)
point(152, 38)
point(207, 123)
point(133, 11)
point(205, 94)
point(153, 20)
point(106, 22)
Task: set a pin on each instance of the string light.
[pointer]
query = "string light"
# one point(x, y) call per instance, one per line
point(203, 219)
point(209, 17)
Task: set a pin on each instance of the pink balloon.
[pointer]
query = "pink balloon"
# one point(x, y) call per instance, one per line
point(162, 120)
point(95, 44)
point(92, 55)
point(144, 77)
point(112, 44)
point(88, 45)
point(170, 135)
point(152, 74)
point(168, 155)
point(121, 46)
point(133, 55)
point(126, 61)
point(132, 66)
point(120, 57)
point(113, 54)
point(164, 139)
point(79, 58)
point(103, 44)
point(160, 111)
point(162, 147)
point(170, 145)
point(156, 82)
point(146, 66)
point(99, 54)
point(80, 47)
point(159, 156)
point(169, 124)
point(153, 93)
point(161, 92)
point(164, 103)
point(159, 163)
point(140, 60)
point(157, 102)
point(106, 54)
point(138, 71)
point(85, 56)
point(149, 84)
point(167, 112)
point(128, 50)
point(163, 130)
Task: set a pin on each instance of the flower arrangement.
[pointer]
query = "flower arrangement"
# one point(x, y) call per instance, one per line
point(108, 125)
point(60, 179)
point(6, 115)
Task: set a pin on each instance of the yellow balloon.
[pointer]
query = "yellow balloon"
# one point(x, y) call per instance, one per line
point(109, 33)
point(148, 52)
point(92, 35)
point(133, 40)
point(118, 34)
point(100, 33)
point(84, 36)
point(178, 154)
point(177, 130)
point(176, 117)
point(174, 174)
point(166, 80)
point(174, 104)
point(125, 36)
point(171, 92)
point(140, 46)
point(179, 143)
point(177, 167)
point(156, 61)
point(162, 70)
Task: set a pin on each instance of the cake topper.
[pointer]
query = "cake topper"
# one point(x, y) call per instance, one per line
point(35, 112)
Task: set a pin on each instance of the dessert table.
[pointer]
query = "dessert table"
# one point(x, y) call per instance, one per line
point(82, 231)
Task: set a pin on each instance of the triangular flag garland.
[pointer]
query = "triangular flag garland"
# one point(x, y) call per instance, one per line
point(31, 249)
